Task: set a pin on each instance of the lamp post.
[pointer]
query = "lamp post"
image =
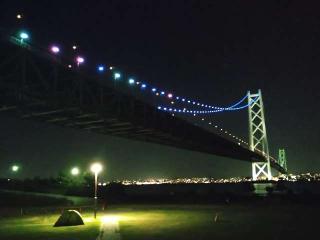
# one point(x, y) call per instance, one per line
point(15, 168)
point(75, 171)
point(96, 168)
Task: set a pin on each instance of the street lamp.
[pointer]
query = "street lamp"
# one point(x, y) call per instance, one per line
point(75, 171)
point(15, 168)
point(96, 168)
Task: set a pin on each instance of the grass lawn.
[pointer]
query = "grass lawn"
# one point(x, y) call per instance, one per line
point(40, 228)
point(164, 222)
point(234, 222)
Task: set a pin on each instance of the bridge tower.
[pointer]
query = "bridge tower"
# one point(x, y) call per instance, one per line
point(282, 159)
point(258, 136)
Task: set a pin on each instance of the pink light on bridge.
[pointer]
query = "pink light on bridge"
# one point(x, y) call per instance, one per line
point(79, 60)
point(55, 49)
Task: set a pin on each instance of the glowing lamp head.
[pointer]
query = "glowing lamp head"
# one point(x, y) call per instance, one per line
point(96, 168)
point(15, 168)
point(117, 76)
point(143, 85)
point(55, 49)
point(153, 89)
point(74, 47)
point(131, 81)
point(100, 68)
point(24, 35)
point(79, 60)
point(75, 171)
point(19, 16)
point(170, 95)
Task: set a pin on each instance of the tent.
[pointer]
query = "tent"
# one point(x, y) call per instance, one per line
point(69, 218)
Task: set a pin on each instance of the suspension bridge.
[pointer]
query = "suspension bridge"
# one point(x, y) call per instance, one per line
point(42, 84)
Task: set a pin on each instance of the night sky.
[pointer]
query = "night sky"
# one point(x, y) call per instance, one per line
point(214, 51)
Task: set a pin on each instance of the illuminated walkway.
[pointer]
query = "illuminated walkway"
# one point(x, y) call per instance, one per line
point(109, 229)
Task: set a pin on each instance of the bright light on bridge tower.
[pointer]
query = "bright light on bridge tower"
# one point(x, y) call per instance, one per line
point(282, 159)
point(258, 136)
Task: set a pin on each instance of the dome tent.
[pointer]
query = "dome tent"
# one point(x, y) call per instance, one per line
point(69, 218)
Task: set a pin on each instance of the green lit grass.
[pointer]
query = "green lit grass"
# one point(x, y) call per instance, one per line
point(234, 222)
point(186, 222)
point(40, 227)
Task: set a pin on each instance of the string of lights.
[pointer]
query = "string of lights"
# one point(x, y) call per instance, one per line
point(79, 60)
point(225, 132)
point(187, 111)
point(101, 68)
point(174, 99)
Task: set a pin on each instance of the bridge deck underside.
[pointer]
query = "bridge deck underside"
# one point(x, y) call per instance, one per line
point(35, 86)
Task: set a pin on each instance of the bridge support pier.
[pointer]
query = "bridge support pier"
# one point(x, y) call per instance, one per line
point(282, 160)
point(258, 136)
point(261, 169)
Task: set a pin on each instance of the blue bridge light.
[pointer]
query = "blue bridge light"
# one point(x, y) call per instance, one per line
point(100, 68)
point(24, 35)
